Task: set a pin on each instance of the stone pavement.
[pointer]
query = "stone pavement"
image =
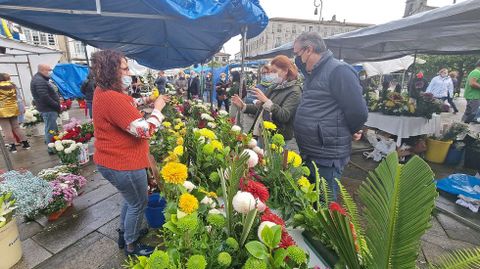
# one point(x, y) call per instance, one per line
point(85, 236)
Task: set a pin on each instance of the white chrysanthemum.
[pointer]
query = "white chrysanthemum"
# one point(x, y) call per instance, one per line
point(211, 125)
point(59, 147)
point(258, 150)
point(51, 145)
point(243, 202)
point(253, 160)
point(189, 185)
point(215, 212)
point(208, 201)
point(252, 143)
point(223, 113)
point(201, 140)
point(79, 144)
point(262, 226)
point(236, 129)
point(67, 151)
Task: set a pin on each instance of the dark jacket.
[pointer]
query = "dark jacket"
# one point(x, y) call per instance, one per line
point(45, 97)
point(330, 111)
point(161, 82)
point(221, 88)
point(193, 87)
point(285, 98)
point(88, 87)
point(417, 86)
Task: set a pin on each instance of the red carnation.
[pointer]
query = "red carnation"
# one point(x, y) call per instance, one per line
point(202, 124)
point(287, 240)
point(337, 207)
point(268, 215)
point(257, 189)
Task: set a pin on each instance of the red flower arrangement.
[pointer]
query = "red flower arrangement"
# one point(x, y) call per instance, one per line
point(257, 189)
point(333, 206)
point(287, 240)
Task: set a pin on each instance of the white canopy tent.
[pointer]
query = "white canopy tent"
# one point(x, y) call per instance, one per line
point(389, 66)
point(20, 61)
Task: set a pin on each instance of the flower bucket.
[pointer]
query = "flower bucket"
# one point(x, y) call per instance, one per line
point(65, 116)
point(437, 150)
point(472, 154)
point(154, 211)
point(39, 129)
point(57, 214)
point(83, 156)
point(10, 245)
point(91, 146)
point(454, 156)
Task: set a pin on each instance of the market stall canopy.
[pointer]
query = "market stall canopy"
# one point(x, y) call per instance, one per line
point(20, 61)
point(390, 66)
point(159, 34)
point(453, 29)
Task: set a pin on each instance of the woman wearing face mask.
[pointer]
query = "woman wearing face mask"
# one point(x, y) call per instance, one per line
point(265, 83)
point(280, 101)
point(441, 85)
point(221, 89)
point(181, 84)
point(121, 142)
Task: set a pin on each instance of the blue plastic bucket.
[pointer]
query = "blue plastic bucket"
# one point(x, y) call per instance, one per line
point(154, 211)
point(454, 156)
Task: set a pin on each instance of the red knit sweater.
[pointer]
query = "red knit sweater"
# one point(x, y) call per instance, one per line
point(115, 148)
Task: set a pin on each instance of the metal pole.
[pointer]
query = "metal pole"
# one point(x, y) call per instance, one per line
point(242, 69)
point(6, 157)
point(86, 53)
point(414, 63)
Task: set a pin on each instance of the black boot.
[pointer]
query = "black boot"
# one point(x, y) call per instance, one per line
point(13, 148)
point(25, 144)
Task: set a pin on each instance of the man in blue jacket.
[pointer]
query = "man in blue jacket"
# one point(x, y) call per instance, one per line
point(331, 111)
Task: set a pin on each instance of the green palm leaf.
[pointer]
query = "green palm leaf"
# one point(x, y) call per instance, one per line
point(398, 203)
point(352, 210)
point(460, 259)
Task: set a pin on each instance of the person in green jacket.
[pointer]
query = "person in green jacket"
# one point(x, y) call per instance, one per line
point(280, 101)
point(472, 94)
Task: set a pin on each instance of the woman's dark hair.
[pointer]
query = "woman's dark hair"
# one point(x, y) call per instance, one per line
point(4, 77)
point(106, 69)
point(235, 76)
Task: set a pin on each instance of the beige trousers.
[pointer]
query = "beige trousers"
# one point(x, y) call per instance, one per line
point(9, 127)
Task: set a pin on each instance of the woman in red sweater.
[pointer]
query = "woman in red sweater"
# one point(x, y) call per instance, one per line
point(121, 142)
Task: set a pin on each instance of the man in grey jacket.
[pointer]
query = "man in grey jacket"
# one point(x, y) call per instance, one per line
point(46, 100)
point(331, 110)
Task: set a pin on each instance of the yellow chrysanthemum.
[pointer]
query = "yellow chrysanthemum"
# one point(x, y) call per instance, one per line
point(303, 182)
point(174, 172)
point(178, 150)
point(217, 145)
point(180, 141)
point(172, 157)
point(212, 194)
point(178, 127)
point(294, 159)
point(269, 125)
point(207, 133)
point(188, 203)
point(166, 124)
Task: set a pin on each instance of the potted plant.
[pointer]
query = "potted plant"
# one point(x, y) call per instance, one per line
point(437, 148)
point(67, 150)
point(32, 120)
point(62, 198)
point(10, 245)
point(456, 132)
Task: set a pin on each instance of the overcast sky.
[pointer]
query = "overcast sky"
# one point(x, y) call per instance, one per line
point(360, 11)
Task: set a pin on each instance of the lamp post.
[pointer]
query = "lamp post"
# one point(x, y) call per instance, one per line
point(318, 4)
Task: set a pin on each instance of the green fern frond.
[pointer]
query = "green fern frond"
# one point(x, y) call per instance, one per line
point(460, 259)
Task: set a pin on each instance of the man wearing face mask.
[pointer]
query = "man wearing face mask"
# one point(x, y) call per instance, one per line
point(441, 85)
point(331, 111)
point(46, 100)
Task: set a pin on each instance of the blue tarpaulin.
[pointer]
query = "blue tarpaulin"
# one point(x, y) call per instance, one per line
point(466, 185)
point(160, 34)
point(69, 78)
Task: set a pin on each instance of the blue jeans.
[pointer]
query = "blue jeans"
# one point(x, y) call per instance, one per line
point(89, 107)
point(133, 186)
point(329, 173)
point(50, 120)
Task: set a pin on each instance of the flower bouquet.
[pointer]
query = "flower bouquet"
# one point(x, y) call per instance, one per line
point(63, 193)
point(31, 193)
point(427, 105)
point(67, 150)
point(32, 117)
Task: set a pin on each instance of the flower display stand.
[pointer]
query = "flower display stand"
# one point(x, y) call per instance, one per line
point(56, 215)
point(10, 245)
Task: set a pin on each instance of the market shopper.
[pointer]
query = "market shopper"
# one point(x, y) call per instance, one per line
point(280, 101)
point(88, 87)
point(181, 84)
point(472, 94)
point(9, 112)
point(193, 86)
point(451, 90)
point(161, 82)
point(221, 89)
point(46, 100)
point(331, 111)
point(121, 145)
point(417, 85)
point(441, 85)
point(263, 85)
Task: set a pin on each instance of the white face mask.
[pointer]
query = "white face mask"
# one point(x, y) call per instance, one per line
point(126, 81)
point(276, 78)
point(363, 77)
